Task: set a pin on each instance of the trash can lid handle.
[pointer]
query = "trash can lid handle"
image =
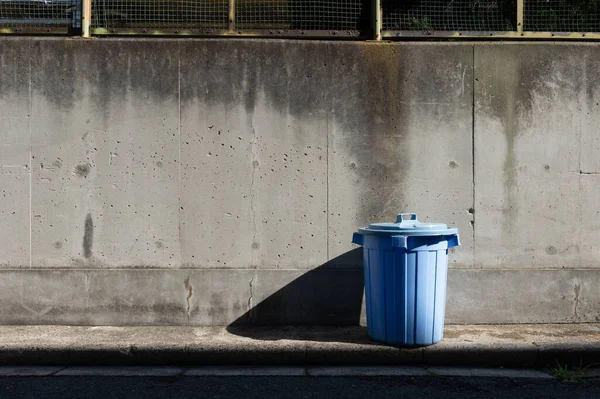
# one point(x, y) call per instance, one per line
point(400, 217)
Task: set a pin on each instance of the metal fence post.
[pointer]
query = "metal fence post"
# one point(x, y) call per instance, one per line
point(86, 16)
point(520, 16)
point(377, 23)
point(231, 16)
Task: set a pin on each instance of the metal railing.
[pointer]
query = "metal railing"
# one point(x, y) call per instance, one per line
point(432, 17)
point(39, 16)
point(562, 16)
point(293, 18)
point(367, 19)
point(149, 16)
point(503, 19)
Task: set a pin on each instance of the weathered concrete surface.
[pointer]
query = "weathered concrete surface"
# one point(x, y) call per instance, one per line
point(180, 297)
point(486, 372)
point(14, 155)
point(498, 345)
point(400, 137)
point(123, 297)
point(536, 142)
point(121, 371)
point(228, 371)
point(364, 371)
point(24, 371)
point(254, 155)
point(279, 371)
point(105, 155)
point(236, 172)
point(323, 296)
point(230, 146)
point(523, 296)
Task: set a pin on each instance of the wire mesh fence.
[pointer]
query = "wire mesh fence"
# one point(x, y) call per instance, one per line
point(39, 15)
point(316, 15)
point(322, 15)
point(561, 16)
point(160, 14)
point(294, 17)
point(430, 16)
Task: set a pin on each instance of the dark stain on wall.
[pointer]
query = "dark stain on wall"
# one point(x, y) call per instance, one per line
point(82, 170)
point(224, 73)
point(367, 92)
point(510, 82)
point(503, 95)
point(88, 236)
point(110, 73)
point(14, 73)
point(56, 72)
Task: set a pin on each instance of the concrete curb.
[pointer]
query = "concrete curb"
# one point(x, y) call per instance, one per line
point(269, 371)
point(508, 346)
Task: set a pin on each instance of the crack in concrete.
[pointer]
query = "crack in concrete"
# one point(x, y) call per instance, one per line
point(251, 297)
point(138, 238)
point(189, 288)
point(577, 291)
point(581, 172)
point(57, 371)
point(252, 208)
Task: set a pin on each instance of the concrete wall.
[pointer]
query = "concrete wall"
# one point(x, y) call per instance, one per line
point(219, 181)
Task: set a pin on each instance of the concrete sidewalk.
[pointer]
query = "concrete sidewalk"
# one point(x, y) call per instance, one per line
point(536, 345)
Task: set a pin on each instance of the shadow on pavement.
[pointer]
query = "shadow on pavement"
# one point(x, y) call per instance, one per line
point(330, 295)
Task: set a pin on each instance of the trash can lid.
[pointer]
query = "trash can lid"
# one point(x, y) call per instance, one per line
point(408, 227)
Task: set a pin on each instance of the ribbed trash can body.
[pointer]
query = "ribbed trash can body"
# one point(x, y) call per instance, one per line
point(405, 284)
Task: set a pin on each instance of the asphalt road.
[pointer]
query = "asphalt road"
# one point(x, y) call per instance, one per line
point(293, 387)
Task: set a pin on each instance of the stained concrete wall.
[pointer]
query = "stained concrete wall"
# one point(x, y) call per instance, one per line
point(219, 181)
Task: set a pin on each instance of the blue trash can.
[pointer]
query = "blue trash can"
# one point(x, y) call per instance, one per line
point(406, 265)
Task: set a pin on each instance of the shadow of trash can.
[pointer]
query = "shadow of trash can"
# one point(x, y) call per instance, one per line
point(406, 267)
